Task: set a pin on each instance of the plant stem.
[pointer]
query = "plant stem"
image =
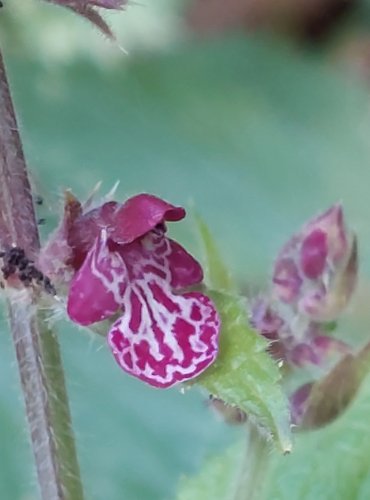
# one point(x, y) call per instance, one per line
point(253, 466)
point(36, 346)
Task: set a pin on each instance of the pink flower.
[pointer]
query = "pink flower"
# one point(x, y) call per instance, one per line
point(128, 271)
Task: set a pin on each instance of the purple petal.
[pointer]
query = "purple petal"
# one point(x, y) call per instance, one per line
point(264, 319)
point(140, 214)
point(313, 302)
point(87, 228)
point(164, 339)
point(304, 354)
point(299, 402)
point(286, 279)
point(331, 223)
point(328, 346)
point(319, 350)
point(323, 304)
point(124, 223)
point(185, 270)
point(314, 251)
point(97, 288)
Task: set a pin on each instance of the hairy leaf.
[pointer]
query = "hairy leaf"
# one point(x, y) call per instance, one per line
point(244, 374)
point(217, 274)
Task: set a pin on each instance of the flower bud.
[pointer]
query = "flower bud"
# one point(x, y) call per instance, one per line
point(327, 301)
point(316, 271)
point(318, 403)
point(265, 319)
point(313, 255)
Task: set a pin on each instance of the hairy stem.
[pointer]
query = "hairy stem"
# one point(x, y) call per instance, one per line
point(36, 346)
point(253, 467)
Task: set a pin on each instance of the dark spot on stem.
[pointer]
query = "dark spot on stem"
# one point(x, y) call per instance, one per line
point(38, 199)
point(16, 263)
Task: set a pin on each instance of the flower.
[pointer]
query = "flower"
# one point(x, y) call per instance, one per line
point(125, 269)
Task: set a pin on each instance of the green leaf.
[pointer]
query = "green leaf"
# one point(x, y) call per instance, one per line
point(218, 276)
point(331, 395)
point(215, 479)
point(244, 374)
point(331, 463)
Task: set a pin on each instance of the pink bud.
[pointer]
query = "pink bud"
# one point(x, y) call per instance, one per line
point(264, 319)
point(326, 302)
point(316, 270)
point(331, 223)
point(317, 349)
point(313, 254)
point(286, 279)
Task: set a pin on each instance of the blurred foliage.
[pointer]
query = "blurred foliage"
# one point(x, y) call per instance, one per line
point(326, 464)
point(258, 133)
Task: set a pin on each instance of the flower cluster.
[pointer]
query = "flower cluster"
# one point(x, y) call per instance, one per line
point(120, 266)
point(313, 280)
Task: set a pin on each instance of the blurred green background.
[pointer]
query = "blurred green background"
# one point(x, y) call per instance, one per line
point(258, 129)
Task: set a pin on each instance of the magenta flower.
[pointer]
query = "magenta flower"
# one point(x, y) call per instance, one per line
point(128, 271)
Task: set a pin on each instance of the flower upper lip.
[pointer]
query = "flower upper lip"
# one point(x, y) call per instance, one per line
point(124, 222)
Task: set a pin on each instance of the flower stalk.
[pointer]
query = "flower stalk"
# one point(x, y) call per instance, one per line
point(36, 346)
point(253, 465)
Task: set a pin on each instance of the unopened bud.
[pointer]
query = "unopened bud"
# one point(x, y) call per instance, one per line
point(316, 271)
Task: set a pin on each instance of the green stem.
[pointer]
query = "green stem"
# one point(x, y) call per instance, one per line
point(59, 411)
point(253, 467)
point(36, 346)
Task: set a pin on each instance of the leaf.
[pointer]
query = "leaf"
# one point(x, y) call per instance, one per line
point(215, 479)
point(330, 396)
point(244, 375)
point(330, 463)
point(218, 276)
